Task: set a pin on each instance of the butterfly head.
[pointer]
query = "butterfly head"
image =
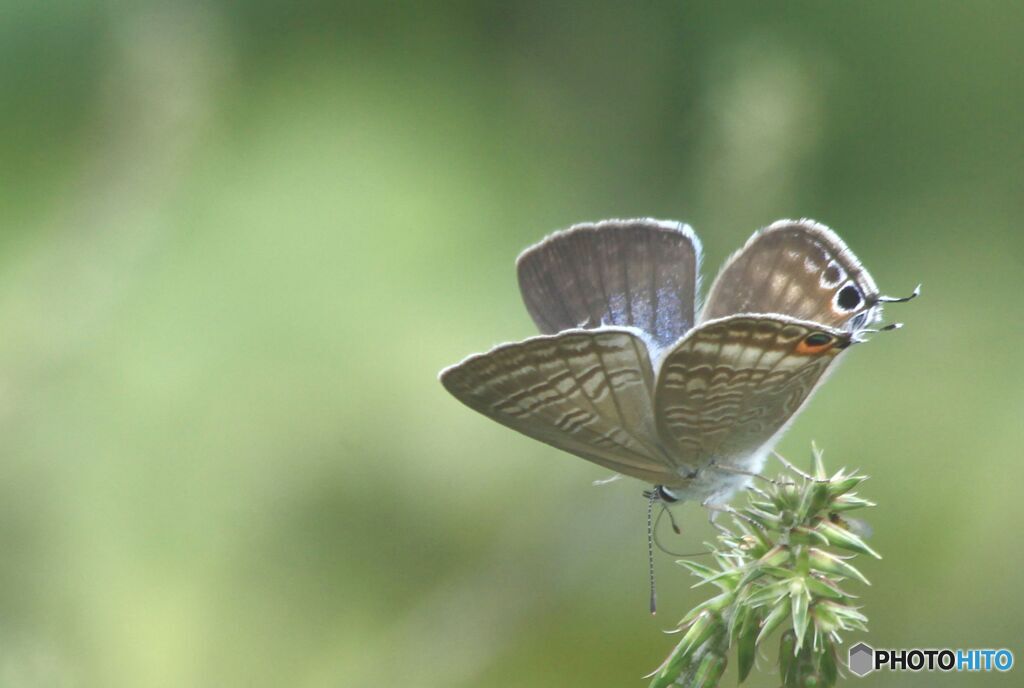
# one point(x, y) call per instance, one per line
point(665, 495)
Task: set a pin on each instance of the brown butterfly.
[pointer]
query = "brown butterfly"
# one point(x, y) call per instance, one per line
point(632, 374)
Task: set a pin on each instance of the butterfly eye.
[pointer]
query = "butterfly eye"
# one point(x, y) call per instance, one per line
point(848, 297)
point(816, 340)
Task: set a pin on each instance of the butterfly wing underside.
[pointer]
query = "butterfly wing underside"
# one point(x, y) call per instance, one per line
point(587, 392)
point(630, 273)
point(797, 268)
point(732, 385)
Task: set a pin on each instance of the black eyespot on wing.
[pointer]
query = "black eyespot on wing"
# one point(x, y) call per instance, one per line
point(817, 339)
point(833, 274)
point(849, 297)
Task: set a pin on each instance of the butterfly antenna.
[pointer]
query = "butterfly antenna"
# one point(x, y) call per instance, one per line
point(887, 328)
point(901, 299)
point(651, 496)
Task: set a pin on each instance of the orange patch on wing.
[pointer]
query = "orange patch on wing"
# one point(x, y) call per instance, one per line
point(805, 349)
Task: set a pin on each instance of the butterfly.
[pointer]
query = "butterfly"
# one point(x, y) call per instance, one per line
point(632, 374)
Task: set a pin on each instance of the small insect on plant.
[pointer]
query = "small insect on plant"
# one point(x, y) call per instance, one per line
point(631, 373)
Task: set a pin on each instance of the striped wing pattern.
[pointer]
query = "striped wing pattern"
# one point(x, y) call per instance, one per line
point(631, 273)
point(588, 392)
point(731, 385)
point(622, 377)
point(798, 268)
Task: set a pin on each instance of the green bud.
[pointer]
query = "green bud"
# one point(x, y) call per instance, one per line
point(819, 464)
point(770, 563)
point(824, 587)
point(746, 646)
point(777, 556)
point(703, 628)
point(725, 579)
point(775, 617)
point(817, 496)
point(821, 589)
point(840, 537)
point(821, 560)
point(846, 613)
point(787, 497)
point(800, 599)
point(671, 668)
point(708, 672)
point(741, 611)
point(849, 502)
point(706, 627)
point(764, 543)
point(754, 546)
point(697, 569)
point(825, 618)
point(663, 679)
point(807, 536)
point(840, 484)
point(768, 594)
point(767, 519)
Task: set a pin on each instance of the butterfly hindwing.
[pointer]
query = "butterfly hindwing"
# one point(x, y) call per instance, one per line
point(624, 379)
point(588, 392)
point(731, 385)
point(631, 273)
point(797, 268)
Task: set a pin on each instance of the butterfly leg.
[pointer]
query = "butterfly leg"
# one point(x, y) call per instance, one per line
point(759, 492)
point(740, 471)
point(713, 512)
point(715, 509)
point(802, 474)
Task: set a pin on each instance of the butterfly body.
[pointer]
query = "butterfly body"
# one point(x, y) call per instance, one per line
point(711, 485)
point(632, 374)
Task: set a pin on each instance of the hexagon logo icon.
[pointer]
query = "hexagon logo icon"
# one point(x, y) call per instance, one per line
point(862, 659)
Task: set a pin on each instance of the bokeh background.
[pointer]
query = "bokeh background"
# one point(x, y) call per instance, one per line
point(239, 240)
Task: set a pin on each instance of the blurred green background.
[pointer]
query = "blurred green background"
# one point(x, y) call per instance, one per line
point(240, 239)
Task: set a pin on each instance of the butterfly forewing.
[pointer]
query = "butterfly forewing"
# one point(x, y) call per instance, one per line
point(800, 269)
point(588, 392)
point(731, 385)
point(631, 273)
point(622, 377)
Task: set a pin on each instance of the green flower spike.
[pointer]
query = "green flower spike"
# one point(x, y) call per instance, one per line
point(776, 569)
